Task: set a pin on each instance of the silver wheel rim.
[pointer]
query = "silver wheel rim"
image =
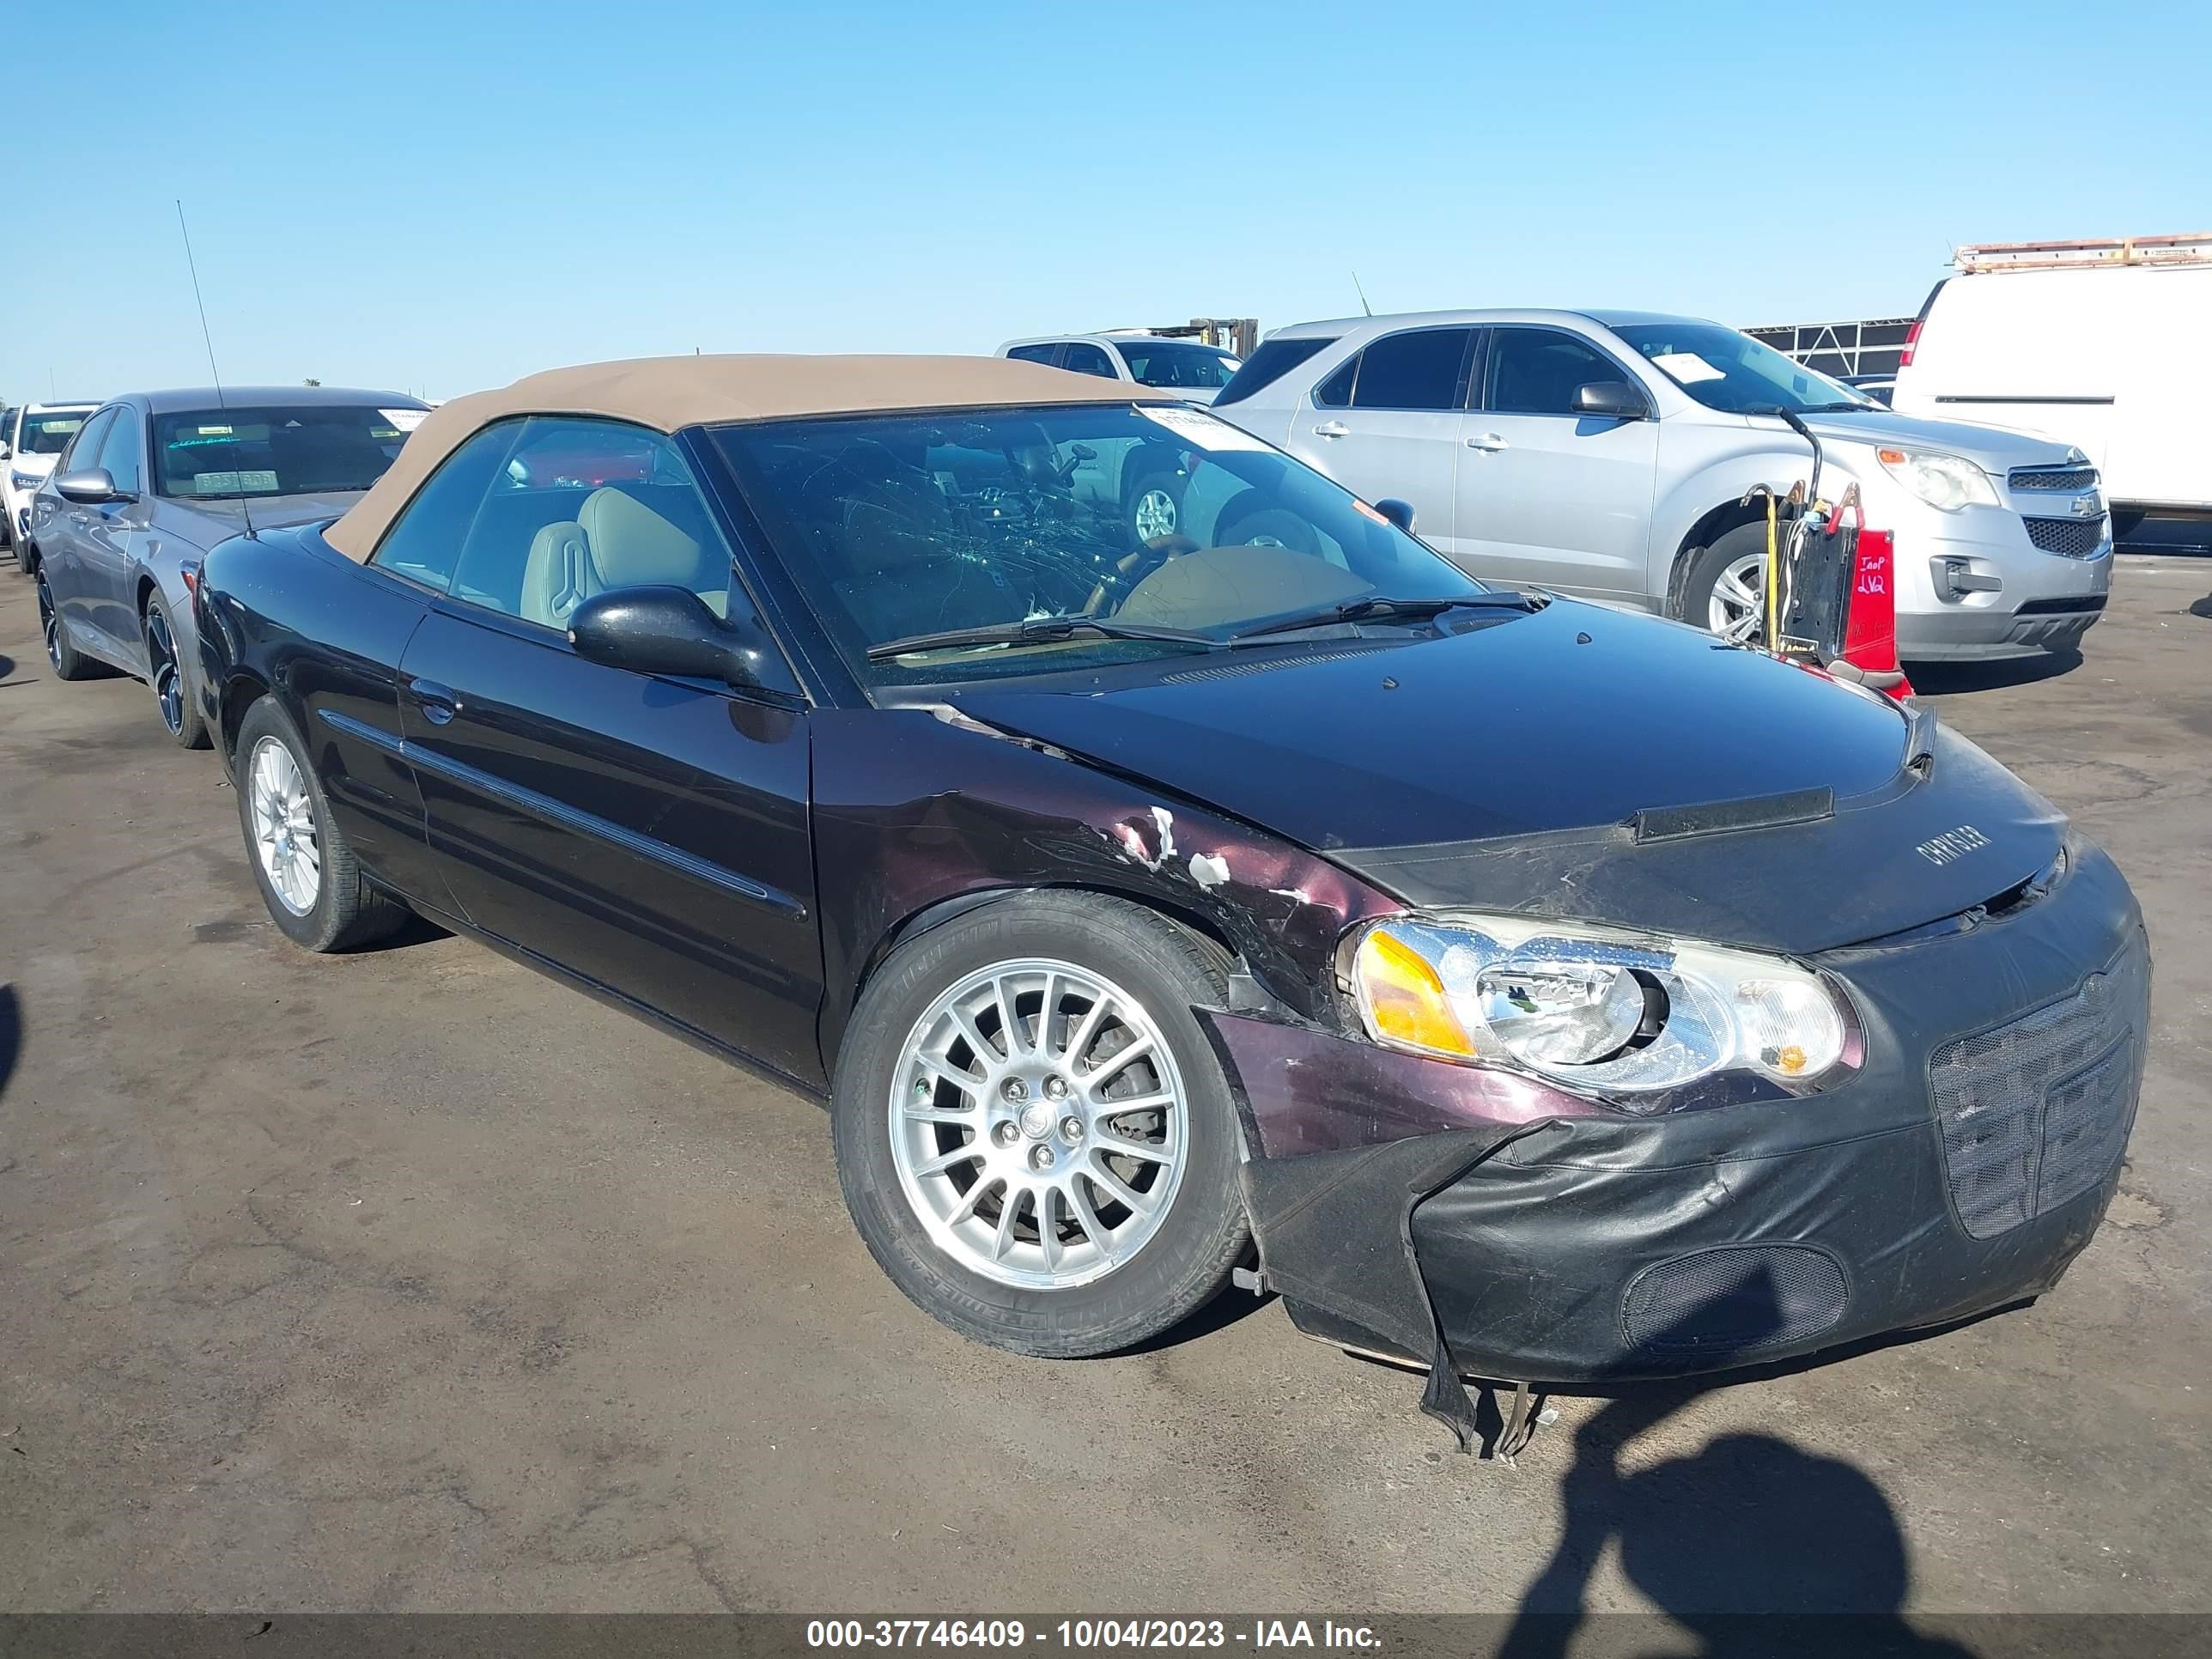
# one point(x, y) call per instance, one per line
point(1737, 610)
point(1154, 514)
point(168, 679)
point(284, 827)
point(1038, 1124)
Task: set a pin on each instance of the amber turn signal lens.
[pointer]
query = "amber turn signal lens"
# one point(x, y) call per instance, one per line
point(1405, 999)
point(1890, 457)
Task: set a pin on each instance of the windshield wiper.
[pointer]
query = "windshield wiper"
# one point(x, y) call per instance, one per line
point(1381, 606)
point(1036, 630)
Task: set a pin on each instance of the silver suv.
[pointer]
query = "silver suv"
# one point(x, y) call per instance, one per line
point(1608, 454)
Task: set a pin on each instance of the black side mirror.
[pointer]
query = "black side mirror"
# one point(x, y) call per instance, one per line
point(662, 631)
point(1614, 400)
point(1399, 513)
point(89, 486)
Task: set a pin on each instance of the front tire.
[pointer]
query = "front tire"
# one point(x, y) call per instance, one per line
point(1154, 504)
point(1724, 588)
point(308, 876)
point(172, 680)
point(69, 663)
point(1033, 1135)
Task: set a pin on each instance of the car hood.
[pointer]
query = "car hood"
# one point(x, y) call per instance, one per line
point(1992, 449)
point(32, 467)
point(1580, 763)
point(206, 523)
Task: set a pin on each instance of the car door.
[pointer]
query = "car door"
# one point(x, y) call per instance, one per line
point(1386, 424)
point(109, 540)
point(1547, 496)
point(62, 537)
point(648, 834)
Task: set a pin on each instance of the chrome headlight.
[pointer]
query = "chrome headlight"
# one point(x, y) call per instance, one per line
point(1595, 1011)
point(1947, 482)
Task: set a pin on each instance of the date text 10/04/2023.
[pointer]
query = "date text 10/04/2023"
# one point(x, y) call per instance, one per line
point(1084, 1634)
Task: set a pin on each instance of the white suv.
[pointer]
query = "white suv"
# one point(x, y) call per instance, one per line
point(1607, 455)
point(33, 436)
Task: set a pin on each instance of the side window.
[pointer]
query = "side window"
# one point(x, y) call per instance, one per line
point(581, 506)
point(1036, 354)
point(1085, 358)
point(122, 449)
point(83, 449)
point(1336, 393)
point(424, 541)
point(1534, 371)
point(1418, 369)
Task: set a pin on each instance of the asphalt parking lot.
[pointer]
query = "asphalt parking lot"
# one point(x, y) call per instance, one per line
point(410, 1280)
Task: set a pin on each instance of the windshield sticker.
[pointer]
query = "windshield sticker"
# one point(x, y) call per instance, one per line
point(1687, 367)
point(406, 419)
point(59, 425)
point(231, 483)
point(213, 431)
point(1201, 431)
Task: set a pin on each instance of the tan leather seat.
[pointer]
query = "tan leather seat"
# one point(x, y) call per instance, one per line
point(614, 541)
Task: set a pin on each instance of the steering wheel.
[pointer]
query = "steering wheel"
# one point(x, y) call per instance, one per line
point(1134, 567)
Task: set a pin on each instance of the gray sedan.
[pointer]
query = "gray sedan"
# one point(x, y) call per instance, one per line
point(153, 480)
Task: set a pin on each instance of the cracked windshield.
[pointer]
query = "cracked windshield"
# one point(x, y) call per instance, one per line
point(1005, 542)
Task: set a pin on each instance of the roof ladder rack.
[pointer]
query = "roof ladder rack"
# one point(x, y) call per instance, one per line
point(2192, 247)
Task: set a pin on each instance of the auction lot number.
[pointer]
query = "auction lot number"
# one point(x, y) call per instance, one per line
point(1012, 1633)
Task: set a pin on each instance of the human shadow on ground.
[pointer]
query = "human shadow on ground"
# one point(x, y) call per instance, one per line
point(11, 1033)
point(1754, 1545)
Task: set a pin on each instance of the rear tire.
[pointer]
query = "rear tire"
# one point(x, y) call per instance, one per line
point(308, 875)
point(174, 692)
point(1111, 1274)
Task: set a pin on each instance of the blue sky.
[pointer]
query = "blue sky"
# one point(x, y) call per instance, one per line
point(444, 197)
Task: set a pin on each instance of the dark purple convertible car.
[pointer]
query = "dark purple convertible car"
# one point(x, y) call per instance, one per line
point(1519, 988)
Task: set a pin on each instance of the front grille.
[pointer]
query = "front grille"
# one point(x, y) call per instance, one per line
point(2053, 477)
point(2036, 1112)
point(2072, 538)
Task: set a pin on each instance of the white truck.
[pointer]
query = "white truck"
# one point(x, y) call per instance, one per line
point(2106, 345)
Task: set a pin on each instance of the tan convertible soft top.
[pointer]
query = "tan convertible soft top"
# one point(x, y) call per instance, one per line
point(669, 393)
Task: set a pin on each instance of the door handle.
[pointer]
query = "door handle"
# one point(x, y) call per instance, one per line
point(440, 702)
point(1489, 441)
point(1332, 429)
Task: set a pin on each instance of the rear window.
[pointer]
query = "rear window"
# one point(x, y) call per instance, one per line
point(1274, 360)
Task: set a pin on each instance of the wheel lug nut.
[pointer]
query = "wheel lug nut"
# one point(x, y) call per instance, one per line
point(1041, 1157)
point(1071, 1129)
point(1056, 1087)
point(1015, 1089)
point(1006, 1134)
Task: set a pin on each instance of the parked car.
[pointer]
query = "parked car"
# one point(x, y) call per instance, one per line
point(31, 436)
point(1191, 368)
point(1550, 994)
point(2104, 345)
point(1608, 454)
point(154, 479)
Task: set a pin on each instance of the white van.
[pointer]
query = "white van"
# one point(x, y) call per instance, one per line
point(2104, 345)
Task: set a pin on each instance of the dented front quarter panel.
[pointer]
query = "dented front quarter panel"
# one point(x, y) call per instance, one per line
point(914, 808)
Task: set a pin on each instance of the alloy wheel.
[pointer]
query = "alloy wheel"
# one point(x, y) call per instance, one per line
point(1038, 1124)
point(284, 827)
point(169, 677)
point(1737, 610)
point(1154, 514)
